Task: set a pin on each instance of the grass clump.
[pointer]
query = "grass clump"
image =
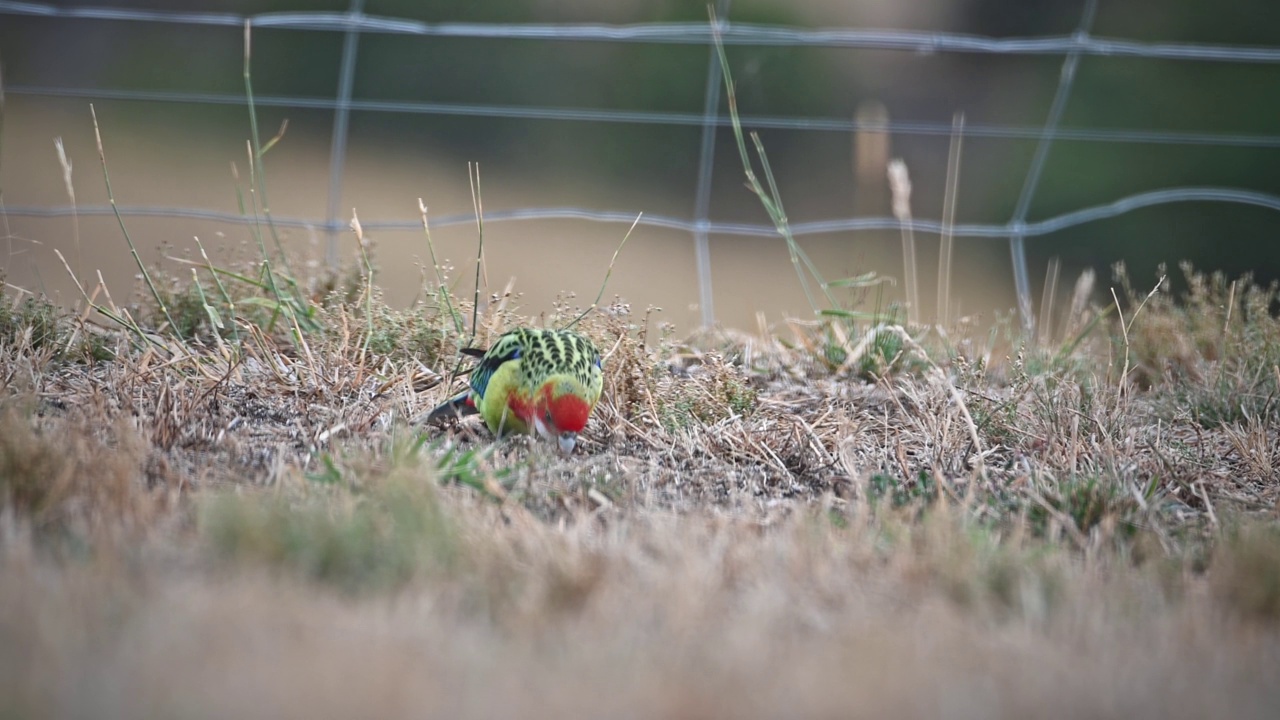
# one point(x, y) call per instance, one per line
point(374, 532)
point(1216, 348)
point(885, 354)
point(975, 566)
point(415, 334)
point(1079, 505)
point(43, 328)
point(67, 484)
point(1246, 571)
point(193, 318)
point(919, 492)
point(978, 571)
point(714, 391)
point(32, 321)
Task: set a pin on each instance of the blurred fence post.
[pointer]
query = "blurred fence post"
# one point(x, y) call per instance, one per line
point(341, 120)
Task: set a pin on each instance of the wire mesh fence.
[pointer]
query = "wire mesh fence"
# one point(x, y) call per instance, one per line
point(355, 23)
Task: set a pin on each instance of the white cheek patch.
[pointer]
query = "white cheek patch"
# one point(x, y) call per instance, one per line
point(542, 428)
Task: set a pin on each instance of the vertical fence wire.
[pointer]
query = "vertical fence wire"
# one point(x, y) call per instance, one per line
point(341, 122)
point(702, 202)
point(1017, 244)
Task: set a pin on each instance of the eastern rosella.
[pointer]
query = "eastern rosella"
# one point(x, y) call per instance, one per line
point(531, 380)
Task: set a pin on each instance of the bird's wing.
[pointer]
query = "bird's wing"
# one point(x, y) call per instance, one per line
point(456, 406)
point(508, 348)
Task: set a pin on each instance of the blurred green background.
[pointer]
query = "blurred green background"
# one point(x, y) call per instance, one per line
point(635, 167)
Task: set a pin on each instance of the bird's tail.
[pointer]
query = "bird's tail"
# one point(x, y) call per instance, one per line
point(458, 406)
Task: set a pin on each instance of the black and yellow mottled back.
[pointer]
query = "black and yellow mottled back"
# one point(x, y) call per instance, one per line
point(541, 354)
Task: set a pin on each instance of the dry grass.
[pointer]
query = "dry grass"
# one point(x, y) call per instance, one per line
point(196, 526)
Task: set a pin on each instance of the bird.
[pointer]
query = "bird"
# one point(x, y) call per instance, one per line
point(532, 380)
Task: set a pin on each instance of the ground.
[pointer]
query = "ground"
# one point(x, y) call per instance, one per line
point(825, 518)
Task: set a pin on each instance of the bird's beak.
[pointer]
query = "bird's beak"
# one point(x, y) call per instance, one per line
point(567, 442)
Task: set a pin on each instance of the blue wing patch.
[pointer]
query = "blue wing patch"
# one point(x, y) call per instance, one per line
point(504, 351)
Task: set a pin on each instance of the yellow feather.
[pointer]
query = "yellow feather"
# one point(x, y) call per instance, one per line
point(494, 407)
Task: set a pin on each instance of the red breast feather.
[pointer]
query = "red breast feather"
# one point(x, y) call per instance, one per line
point(568, 412)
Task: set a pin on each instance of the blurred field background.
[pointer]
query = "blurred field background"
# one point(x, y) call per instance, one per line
point(169, 96)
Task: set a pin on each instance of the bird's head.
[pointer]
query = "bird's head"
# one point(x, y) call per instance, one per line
point(562, 410)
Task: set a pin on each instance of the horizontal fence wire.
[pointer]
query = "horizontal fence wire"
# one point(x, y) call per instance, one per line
point(648, 117)
point(799, 229)
point(353, 22)
point(687, 33)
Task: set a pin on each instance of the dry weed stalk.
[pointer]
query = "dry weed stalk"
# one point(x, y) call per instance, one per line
point(900, 189)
